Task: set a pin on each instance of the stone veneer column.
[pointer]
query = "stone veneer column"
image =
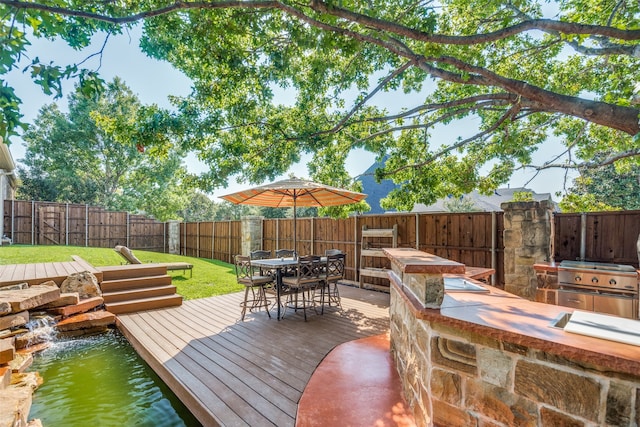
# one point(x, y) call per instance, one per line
point(251, 234)
point(174, 237)
point(528, 238)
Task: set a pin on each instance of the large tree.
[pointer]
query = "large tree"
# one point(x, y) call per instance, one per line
point(88, 156)
point(518, 71)
point(604, 188)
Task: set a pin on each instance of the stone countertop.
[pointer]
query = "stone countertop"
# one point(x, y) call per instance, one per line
point(546, 266)
point(413, 261)
point(511, 319)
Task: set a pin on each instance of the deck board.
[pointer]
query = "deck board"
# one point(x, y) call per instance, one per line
point(251, 373)
point(36, 273)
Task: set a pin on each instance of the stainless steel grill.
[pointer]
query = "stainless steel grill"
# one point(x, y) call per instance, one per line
point(601, 287)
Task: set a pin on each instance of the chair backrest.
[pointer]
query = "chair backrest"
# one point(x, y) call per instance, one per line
point(126, 253)
point(284, 253)
point(260, 254)
point(309, 268)
point(335, 266)
point(332, 252)
point(244, 271)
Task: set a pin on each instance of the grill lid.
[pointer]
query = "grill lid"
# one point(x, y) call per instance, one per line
point(602, 266)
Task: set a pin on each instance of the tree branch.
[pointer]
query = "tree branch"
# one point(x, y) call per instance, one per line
point(528, 25)
point(382, 84)
point(509, 113)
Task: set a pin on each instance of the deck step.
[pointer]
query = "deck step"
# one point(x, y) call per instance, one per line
point(142, 304)
point(132, 283)
point(130, 271)
point(134, 294)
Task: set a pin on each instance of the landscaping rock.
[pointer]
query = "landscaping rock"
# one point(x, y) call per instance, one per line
point(34, 296)
point(15, 400)
point(70, 298)
point(81, 307)
point(21, 362)
point(86, 321)
point(5, 377)
point(84, 283)
point(31, 338)
point(15, 404)
point(14, 320)
point(7, 351)
point(15, 287)
point(5, 308)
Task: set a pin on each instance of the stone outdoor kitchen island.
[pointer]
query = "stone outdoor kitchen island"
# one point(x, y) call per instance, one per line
point(493, 359)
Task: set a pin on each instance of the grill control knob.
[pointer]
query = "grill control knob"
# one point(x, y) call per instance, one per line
point(578, 279)
point(594, 280)
point(613, 282)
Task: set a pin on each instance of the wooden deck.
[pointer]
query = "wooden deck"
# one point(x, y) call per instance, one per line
point(37, 273)
point(249, 373)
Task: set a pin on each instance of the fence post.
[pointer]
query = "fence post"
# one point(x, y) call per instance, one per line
point(33, 222)
point(494, 239)
point(13, 215)
point(583, 236)
point(174, 237)
point(86, 225)
point(128, 230)
point(417, 231)
point(230, 256)
point(277, 233)
point(198, 239)
point(66, 224)
point(213, 240)
point(356, 272)
point(312, 243)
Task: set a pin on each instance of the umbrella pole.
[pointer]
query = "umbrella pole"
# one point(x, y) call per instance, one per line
point(295, 240)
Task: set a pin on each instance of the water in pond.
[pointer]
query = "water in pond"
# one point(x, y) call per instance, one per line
point(101, 381)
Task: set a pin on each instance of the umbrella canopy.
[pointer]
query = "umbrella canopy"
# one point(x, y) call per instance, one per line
point(294, 192)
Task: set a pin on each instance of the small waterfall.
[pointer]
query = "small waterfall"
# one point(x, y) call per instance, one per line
point(41, 330)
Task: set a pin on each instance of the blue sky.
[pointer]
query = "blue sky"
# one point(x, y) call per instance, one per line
point(153, 81)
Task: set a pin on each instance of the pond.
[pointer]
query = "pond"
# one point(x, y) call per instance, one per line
point(101, 381)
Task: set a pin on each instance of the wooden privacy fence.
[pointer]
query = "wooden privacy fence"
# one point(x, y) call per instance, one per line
point(474, 239)
point(47, 223)
point(599, 236)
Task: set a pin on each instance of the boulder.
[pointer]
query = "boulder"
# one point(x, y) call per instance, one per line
point(84, 283)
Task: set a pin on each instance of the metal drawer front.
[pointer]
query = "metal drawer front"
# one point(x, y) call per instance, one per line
point(618, 305)
point(577, 300)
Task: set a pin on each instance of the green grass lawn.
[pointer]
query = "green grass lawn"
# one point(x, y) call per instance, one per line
point(210, 277)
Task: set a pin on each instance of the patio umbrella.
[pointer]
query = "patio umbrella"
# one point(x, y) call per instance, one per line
point(294, 192)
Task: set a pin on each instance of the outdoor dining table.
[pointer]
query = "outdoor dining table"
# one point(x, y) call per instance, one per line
point(276, 264)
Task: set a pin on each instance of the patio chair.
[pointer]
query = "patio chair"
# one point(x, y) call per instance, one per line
point(262, 255)
point(286, 253)
point(303, 284)
point(255, 296)
point(130, 258)
point(334, 273)
point(332, 252)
